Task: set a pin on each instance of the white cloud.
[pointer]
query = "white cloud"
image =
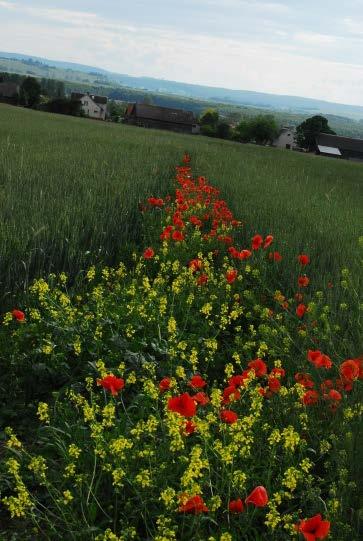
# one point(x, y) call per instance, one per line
point(353, 26)
point(185, 56)
point(311, 38)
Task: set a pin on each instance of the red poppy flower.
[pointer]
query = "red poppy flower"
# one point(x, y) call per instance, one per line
point(258, 497)
point(178, 236)
point(303, 259)
point(236, 506)
point(334, 395)
point(112, 383)
point(165, 235)
point(149, 253)
point(230, 393)
point(274, 385)
point(186, 158)
point(195, 265)
point(190, 427)
point(300, 310)
point(197, 382)
point(258, 366)
point(202, 279)
point(310, 398)
point(275, 256)
point(195, 221)
point(155, 202)
point(229, 417)
point(164, 385)
point(303, 281)
point(183, 404)
point(268, 241)
point(314, 528)
point(238, 380)
point(319, 359)
point(18, 315)
point(244, 254)
point(195, 505)
point(201, 398)
point(304, 380)
point(278, 372)
point(257, 240)
point(231, 276)
point(349, 369)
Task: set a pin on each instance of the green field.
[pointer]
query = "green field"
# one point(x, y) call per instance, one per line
point(70, 188)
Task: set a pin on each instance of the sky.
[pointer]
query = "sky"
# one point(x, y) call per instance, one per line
point(304, 48)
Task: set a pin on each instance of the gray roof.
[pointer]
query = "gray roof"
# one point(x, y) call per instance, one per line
point(9, 89)
point(163, 114)
point(101, 100)
point(343, 143)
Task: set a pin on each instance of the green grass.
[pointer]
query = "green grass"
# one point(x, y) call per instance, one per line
point(70, 188)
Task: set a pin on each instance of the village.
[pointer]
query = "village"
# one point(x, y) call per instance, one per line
point(182, 121)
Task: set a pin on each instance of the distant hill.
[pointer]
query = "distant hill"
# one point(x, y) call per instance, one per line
point(43, 67)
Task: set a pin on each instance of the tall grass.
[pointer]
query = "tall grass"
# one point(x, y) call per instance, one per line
point(69, 193)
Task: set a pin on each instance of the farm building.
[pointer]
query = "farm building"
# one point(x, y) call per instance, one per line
point(152, 116)
point(286, 138)
point(91, 105)
point(335, 146)
point(9, 91)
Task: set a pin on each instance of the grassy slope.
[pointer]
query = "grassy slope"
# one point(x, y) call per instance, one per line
point(71, 186)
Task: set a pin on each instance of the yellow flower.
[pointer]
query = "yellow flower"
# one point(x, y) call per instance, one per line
point(43, 412)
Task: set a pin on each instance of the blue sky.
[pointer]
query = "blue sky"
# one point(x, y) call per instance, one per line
point(305, 47)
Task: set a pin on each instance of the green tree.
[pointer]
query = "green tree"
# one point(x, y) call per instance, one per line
point(242, 131)
point(209, 123)
point(30, 91)
point(224, 130)
point(263, 129)
point(308, 130)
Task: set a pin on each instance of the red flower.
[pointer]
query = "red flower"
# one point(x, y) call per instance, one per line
point(197, 382)
point(334, 395)
point(236, 506)
point(155, 202)
point(178, 236)
point(304, 380)
point(186, 158)
point(230, 393)
point(202, 279)
point(303, 281)
point(238, 380)
point(190, 427)
point(112, 384)
point(244, 254)
point(276, 256)
point(258, 497)
point(231, 276)
point(229, 417)
point(268, 241)
point(274, 385)
point(194, 505)
point(319, 359)
point(201, 398)
point(256, 242)
point(303, 259)
point(183, 404)
point(18, 314)
point(299, 297)
point(349, 369)
point(195, 264)
point(300, 310)
point(278, 372)
point(310, 398)
point(314, 528)
point(164, 385)
point(149, 253)
point(258, 366)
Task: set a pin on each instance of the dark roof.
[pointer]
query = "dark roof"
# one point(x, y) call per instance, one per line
point(96, 99)
point(164, 114)
point(9, 89)
point(343, 143)
point(99, 99)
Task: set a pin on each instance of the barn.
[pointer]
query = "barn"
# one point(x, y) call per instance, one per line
point(153, 116)
point(335, 146)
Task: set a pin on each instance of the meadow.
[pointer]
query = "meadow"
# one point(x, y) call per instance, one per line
point(187, 365)
point(70, 188)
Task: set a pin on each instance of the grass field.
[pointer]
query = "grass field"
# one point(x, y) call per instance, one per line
point(100, 438)
point(69, 190)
